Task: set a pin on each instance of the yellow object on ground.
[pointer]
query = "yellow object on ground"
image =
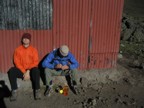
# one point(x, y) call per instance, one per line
point(61, 91)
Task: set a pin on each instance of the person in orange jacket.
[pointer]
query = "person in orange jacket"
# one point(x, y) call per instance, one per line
point(26, 67)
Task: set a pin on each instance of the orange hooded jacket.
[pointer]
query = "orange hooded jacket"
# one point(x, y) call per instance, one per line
point(25, 58)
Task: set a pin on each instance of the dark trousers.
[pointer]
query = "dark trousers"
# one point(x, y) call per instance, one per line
point(15, 73)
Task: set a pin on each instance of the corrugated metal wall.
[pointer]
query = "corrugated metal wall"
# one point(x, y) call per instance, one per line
point(91, 28)
point(71, 26)
point(10, 39)
point(105, 33)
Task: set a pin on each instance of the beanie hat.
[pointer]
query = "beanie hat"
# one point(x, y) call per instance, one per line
point(26, 35)
point(64, 50)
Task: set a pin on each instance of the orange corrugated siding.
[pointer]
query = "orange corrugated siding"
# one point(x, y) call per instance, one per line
point(105, 32)
point(10, 39)
point(71, 25)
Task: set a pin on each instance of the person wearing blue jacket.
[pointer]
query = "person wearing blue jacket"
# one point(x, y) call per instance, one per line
point(60, 62)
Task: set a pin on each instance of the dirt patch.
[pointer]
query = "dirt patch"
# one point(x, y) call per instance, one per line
point(126, 92)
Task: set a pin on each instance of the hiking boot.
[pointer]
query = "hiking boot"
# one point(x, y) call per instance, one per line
point(74, 88)
point(13, 96)
point(47, 91)
point(37, 94)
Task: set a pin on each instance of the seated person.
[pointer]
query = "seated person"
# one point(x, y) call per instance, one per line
point(26, 67)
point(60, 62)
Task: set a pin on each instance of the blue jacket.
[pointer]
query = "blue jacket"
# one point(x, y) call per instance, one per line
point(53, 59)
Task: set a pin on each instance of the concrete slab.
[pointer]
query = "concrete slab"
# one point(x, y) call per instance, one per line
point(93, 76)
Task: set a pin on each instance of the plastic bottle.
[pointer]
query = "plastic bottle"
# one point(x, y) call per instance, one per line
point(65, 90)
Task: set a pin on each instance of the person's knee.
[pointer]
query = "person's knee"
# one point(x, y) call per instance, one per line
point(35, 71)
point(47, 70)
point(74, 70)
point(11, 71)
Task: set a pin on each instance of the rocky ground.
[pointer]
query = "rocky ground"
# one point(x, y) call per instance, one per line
point(126, 92)
point(132, 32)
point(124, 89)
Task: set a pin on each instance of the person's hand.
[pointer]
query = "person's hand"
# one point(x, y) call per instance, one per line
point(27, 75)
point(65, 67)
point(58, 66)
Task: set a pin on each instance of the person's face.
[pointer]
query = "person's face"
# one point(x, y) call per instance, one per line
point(25, 41)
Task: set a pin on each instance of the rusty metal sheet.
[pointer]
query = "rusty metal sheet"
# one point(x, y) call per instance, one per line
point(91, 29)
point(72, 27)
point(11, 39)
point(105, 32)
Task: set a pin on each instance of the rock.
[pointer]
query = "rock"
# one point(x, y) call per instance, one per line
point(120, 56)
point(94, 102)
point(132, 101)
point(75, 102)
point(125, 103)
point(118, 100)
point(84, 104)
point(136, 63)
point(126, 34)
point(132, 29)
point(139, 35)
point(122, 45)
